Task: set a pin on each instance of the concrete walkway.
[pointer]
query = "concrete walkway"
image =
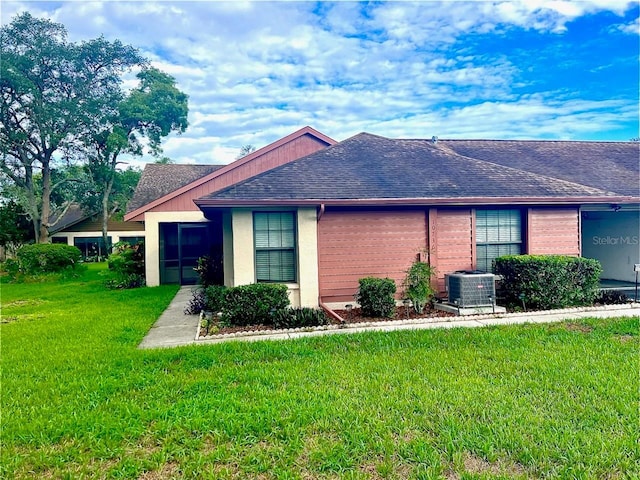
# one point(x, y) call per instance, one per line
point(174, 328)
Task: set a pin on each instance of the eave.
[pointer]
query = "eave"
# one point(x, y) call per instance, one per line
point(412, 202)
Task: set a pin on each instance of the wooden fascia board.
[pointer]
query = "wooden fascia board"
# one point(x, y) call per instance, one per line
point(139, 212)
point(468, 201)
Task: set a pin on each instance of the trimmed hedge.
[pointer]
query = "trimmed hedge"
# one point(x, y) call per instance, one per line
point(548, 281)
point(47, 258)
point(254, 304)
point(300, 317)
point(375, 296)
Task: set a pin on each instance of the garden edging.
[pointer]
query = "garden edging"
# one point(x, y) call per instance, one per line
point(542, 316)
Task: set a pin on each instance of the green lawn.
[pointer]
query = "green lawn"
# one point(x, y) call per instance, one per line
point(79, 400)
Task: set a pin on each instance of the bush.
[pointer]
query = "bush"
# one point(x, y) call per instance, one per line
point(375, 296)
point(127, 259)
point(42, 258)
point(127, 266)
point(548, 281)
point(131, 280)
point(299, 317)
point(417, 285)
point(254, 304)
point(208, 270)
point(612, 297)
point(214, 298)
point(197, 303)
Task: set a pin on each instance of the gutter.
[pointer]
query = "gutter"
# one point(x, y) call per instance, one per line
point(461, 201)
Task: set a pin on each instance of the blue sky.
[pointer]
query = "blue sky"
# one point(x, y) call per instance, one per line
point(256, 71)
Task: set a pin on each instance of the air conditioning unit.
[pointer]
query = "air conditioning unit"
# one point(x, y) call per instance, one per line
point(471, 289)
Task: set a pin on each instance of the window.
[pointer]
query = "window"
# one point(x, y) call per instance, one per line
point(498, 232)
point(92, 247)
point(275, 244)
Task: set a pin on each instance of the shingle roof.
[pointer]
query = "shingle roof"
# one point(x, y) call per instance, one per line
point(613, 166)
point(72, 216)
point(158, 180)
point(372, 167)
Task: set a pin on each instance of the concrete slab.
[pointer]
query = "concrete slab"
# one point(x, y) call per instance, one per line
point(466, 311)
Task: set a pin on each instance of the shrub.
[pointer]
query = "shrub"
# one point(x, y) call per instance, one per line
point(375, 296)
point(214, 298)
point(42, 258)
point(548, 281)
point(612, 297)
point(208, 270)
point(127, 266)
point(254, 304)
point(299, 317)
point(131, 280)
point(417, 285)
point(197, 303)
point(127, 259)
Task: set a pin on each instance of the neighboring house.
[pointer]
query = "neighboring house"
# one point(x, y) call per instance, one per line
point(177, 231)
point(84, 230)
point(371, 205)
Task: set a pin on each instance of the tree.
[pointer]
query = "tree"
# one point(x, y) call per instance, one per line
point(246, 150)
point(148, 113)
point(15, 228)
point(52, 93)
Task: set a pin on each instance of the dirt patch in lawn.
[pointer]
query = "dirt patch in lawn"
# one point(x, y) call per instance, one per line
point(20, 318)
point(578, 327)
point(479, 466)
point(166, 471)
point(624, 338)
point(350, 317)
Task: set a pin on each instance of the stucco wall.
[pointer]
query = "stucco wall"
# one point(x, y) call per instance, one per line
point(240, 267)
point(613, 238)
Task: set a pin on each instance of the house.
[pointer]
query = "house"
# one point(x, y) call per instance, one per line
point(84, 230)
point(371, 205)
point(177, 231)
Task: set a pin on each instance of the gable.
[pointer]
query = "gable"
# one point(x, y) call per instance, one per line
point(299, 144)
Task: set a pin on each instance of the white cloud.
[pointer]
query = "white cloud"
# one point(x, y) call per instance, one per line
point(257, 71)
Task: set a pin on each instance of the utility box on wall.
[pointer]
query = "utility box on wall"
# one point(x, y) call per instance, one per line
point(471, 289)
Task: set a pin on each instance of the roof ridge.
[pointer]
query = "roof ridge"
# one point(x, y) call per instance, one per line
point(531, 140)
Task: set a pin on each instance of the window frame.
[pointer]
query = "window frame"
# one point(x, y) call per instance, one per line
point(293, 249)
point(500, 243)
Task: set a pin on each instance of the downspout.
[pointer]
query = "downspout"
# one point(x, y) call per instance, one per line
point(322, 305)
point(330, 312)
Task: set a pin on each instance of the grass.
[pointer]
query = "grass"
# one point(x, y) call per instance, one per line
point(79, 400)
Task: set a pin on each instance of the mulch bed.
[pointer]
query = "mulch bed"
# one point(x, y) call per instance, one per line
point(352, 317)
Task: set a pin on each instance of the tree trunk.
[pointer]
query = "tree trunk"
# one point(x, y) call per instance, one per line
point(43, 237)
point(105, 214)
point(32, 202)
